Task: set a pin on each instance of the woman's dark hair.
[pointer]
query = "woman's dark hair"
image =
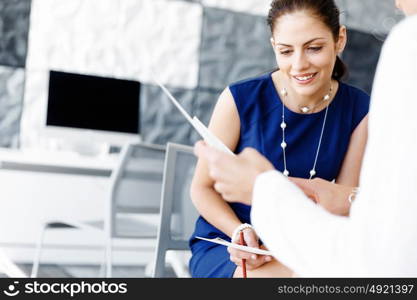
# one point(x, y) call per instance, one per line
point(325, 10)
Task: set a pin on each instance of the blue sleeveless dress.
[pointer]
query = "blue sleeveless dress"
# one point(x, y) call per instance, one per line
point(260, 111)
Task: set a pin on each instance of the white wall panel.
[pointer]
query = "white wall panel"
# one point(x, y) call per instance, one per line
point(117, 38)
point(164, 36)
point(255, 7)
point(34, 108)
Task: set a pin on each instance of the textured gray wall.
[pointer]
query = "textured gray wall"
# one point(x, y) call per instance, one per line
point(160, 119)
point(11, 96)
point(14, 26)
point(203, 108)
point(233, 47)
point(368, 22)
point(376, 17)
point(361, 60)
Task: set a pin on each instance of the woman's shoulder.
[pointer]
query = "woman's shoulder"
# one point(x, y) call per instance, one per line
point(253, 97)
point(355, 101)
point(250, 82)
point(354, 93)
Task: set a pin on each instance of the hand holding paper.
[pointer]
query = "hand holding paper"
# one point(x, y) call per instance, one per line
point(236, 246)
point(209, 137)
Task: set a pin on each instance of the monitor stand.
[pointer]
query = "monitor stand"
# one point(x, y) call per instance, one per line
point(91, 149)
point(83, 148)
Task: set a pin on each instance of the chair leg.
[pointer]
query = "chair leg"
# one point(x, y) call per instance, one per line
point(149, 268)
point(159, 266)
point(176, 260)
point(109, 257)
point(102, 272)
point(36, 261)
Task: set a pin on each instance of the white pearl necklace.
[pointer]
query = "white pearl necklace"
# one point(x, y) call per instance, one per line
point(306, 109)
point(312, 172)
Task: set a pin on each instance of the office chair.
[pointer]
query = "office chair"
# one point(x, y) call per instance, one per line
point(135, 190)
point(178, 215)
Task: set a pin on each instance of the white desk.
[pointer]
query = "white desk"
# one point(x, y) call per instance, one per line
point(38, 185)
point(56, 162)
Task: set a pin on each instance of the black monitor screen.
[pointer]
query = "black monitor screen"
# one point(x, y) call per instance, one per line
point(91, 102)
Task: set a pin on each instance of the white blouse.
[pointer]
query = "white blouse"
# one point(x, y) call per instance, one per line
point(379, 238)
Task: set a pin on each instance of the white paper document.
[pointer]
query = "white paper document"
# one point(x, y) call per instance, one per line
point(206, 134)
point(233, 245)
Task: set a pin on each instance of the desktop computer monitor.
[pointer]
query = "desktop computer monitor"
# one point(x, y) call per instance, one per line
point(88, 110)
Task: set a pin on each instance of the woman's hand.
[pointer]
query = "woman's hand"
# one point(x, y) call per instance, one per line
point(253, 261)
point(332, 196)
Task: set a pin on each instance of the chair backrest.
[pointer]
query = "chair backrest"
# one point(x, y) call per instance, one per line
point(135, 188)
point(178, 214)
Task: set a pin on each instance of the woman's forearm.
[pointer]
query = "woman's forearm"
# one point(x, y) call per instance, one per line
point(332, 196)
point(214, 209)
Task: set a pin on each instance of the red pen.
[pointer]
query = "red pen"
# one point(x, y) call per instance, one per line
point(242, 242)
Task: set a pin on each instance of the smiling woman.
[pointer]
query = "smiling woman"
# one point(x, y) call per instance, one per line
point(301, 117)
point(307, 51)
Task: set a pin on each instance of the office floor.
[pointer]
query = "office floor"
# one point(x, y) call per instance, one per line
point(82, 271)
point(74, 271)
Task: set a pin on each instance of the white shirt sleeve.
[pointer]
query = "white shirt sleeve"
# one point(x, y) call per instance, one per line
point(294, 228)
point(380, 236)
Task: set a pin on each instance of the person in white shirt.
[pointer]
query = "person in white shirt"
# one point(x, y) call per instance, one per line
point(379, 237)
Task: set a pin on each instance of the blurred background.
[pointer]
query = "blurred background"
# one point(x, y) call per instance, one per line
point(196, 48)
